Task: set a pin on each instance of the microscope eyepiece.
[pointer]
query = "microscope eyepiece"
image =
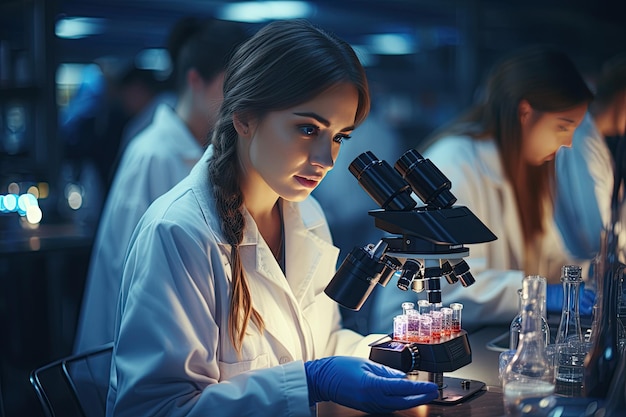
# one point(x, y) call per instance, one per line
point(382, 183)
point(426, 180)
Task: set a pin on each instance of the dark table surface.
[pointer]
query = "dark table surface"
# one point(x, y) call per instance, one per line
point(484, 367)
point(60, 236)
point(486, 343)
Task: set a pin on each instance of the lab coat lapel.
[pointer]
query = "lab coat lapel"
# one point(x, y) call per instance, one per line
point(307, 255)
point(275, 295)
point(310, 263)
point(272, 296)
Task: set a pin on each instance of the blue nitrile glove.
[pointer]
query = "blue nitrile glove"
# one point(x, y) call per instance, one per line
point(554, 299)
point(586, 301)
point(365, 385)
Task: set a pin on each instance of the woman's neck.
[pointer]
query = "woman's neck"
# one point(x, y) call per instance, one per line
point(270, 225)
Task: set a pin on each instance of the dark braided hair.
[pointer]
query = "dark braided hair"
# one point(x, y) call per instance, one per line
point(286, 63)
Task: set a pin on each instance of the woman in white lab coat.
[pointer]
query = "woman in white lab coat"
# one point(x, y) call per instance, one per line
point(499, 157)
point(222, 310)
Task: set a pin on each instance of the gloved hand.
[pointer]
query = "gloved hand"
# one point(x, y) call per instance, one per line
point(554, 299)
point(365, 385)
point(586, 301)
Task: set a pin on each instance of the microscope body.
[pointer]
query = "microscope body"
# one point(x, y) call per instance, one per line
point(424, 244)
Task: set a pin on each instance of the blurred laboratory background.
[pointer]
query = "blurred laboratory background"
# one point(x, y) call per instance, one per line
point(78, 78)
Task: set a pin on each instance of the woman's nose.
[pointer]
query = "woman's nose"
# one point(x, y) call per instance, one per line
point(323, 153)
point(567, 142)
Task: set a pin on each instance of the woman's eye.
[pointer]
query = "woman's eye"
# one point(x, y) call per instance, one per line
point(341, 138)
point(563, 129)
point(308, 130)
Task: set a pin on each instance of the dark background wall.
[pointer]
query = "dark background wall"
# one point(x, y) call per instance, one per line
point(42, 269)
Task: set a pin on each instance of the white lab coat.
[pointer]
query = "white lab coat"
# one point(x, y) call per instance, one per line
point(173, 355)
point(478, 182)
point(157, 159)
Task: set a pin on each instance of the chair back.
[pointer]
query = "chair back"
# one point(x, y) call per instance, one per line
point(75, 386)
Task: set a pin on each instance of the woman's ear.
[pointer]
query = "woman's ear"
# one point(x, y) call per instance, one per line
point(241, 125)
point(524, 111)
point(194, 80)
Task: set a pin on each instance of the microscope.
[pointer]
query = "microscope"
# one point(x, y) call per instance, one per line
point(425, 243)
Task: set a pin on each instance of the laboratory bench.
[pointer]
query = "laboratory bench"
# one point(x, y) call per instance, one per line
point(484, 368)
point(486, 343)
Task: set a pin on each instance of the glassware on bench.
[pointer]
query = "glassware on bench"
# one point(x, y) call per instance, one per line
point(530, 371)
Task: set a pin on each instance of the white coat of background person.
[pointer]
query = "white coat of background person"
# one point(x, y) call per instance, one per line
point(586, 171)
point(154, 161)
point(499, 159)
point(222, 309)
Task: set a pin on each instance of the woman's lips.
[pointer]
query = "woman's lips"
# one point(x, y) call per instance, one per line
point(308, 183)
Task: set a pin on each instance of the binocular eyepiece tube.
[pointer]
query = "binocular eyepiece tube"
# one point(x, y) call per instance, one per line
point(392, 188)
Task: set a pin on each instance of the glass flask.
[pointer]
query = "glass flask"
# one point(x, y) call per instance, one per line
point(570, 346)
point(516, 324)
point(530, 372)
point(569, 326)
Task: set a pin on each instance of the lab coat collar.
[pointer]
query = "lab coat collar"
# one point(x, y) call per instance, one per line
point(170, 125)
point(305, 253)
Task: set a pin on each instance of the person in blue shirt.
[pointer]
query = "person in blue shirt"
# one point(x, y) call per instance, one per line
point(585, 172)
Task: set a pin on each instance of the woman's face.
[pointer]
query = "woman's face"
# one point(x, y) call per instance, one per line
point(288, 152)
point(544, 133)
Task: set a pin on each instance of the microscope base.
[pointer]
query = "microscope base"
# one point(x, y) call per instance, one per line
point(451, 390)
point(456, 390)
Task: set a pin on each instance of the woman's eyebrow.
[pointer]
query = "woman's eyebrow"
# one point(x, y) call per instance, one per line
point(320, 119)
point(314, 116)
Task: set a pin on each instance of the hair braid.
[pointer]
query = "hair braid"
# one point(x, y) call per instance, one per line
point(224, 175)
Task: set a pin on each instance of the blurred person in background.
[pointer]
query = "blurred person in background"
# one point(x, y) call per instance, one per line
point(157, 159)
point(142, 92)
point(586, 171)
point(111, 93)
point(222, 309)
point(499, 157)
